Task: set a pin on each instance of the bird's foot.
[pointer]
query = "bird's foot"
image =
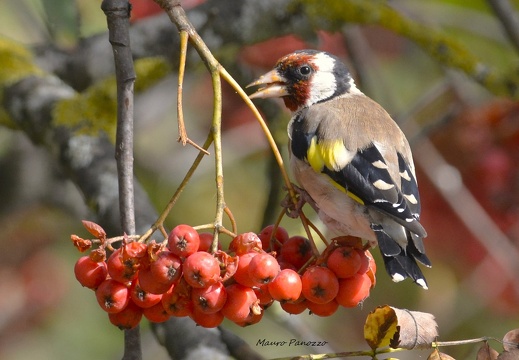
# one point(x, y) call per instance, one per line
point(294, 209)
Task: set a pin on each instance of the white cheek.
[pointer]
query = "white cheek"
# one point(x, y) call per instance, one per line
point(322, 87)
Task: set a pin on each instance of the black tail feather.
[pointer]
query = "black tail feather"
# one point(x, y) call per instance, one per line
point(400, 267)
point(401, 263)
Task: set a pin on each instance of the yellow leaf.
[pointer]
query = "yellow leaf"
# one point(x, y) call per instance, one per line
point(380, 327)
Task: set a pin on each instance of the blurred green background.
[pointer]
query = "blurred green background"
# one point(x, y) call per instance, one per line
point(46, 314)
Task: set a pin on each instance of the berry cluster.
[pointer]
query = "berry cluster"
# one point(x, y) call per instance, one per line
point(185, 278)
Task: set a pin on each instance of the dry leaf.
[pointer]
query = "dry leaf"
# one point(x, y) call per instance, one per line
point(436, 355)
point(399, 328)
point(81, 244)
point(485, 352)
point(94, 229)
point(511, 340)
point(417, 330)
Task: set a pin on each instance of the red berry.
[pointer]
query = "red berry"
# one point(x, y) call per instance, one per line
point(183, 240)
point(286, 265)
point(207, 320)
point(251, 319)
point(201, 269)
point(263, 295)
point(323, 309)
point(242, 271)
point(177, 301)
point(128, 318)
point(273, 241)
point(240, 303)
point(112, 296)
point(320, 285)
point(263, 268)
point(210, 299)
point(294, 307)
point(156, 313)
point(244, 243)
point(90, 273)
point(353, 290)
point(296, 250)
point(122, 270)
point(344, 262)
point(286, 286)
point(149, 283)
point(143, 298)
point(167, 268)
point(206, 241)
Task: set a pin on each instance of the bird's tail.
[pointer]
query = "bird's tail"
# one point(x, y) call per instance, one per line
point(401, 263)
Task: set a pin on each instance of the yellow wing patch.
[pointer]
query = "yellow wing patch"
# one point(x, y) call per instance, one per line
point(330, 153)
point(334, 156)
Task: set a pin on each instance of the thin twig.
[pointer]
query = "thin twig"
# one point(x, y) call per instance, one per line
point(438, 344)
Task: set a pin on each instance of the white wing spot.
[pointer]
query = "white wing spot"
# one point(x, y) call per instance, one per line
point(411, 198)
point(379, 164)
point(405, 175)
point(382, 185)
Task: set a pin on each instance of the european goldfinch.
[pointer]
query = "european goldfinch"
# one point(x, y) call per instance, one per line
point(351, 158)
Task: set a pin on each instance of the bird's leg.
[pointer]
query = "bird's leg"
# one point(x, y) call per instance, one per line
point(293, 210)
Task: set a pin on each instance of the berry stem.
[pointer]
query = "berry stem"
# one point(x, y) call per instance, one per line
point(216, 130)
point(182, 133)
point(158, 224)
point(231, 219)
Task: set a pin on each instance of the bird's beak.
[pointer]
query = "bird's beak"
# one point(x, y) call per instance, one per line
point(275, 86)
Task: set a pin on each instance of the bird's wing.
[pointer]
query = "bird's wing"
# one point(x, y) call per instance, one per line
point(367, 180)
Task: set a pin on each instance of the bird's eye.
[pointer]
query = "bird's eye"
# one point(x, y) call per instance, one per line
point(305, 70)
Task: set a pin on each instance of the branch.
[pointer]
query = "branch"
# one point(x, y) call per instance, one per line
point(506, 14)
point(118, 18)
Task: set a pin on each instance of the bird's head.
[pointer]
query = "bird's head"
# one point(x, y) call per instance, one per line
point(305, 77)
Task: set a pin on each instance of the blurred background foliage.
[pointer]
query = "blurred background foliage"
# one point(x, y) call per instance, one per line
point(474, 137)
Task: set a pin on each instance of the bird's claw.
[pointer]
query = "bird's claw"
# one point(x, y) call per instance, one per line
point(294, 209)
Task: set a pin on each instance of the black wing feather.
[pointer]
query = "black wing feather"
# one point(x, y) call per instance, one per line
point(359, 177)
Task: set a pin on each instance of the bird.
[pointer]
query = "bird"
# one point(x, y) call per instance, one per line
point(350, 159)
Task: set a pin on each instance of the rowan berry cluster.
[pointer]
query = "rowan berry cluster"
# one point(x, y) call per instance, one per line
point(183, 277)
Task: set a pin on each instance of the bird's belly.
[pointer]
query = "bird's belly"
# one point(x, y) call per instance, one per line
point(340, 213)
